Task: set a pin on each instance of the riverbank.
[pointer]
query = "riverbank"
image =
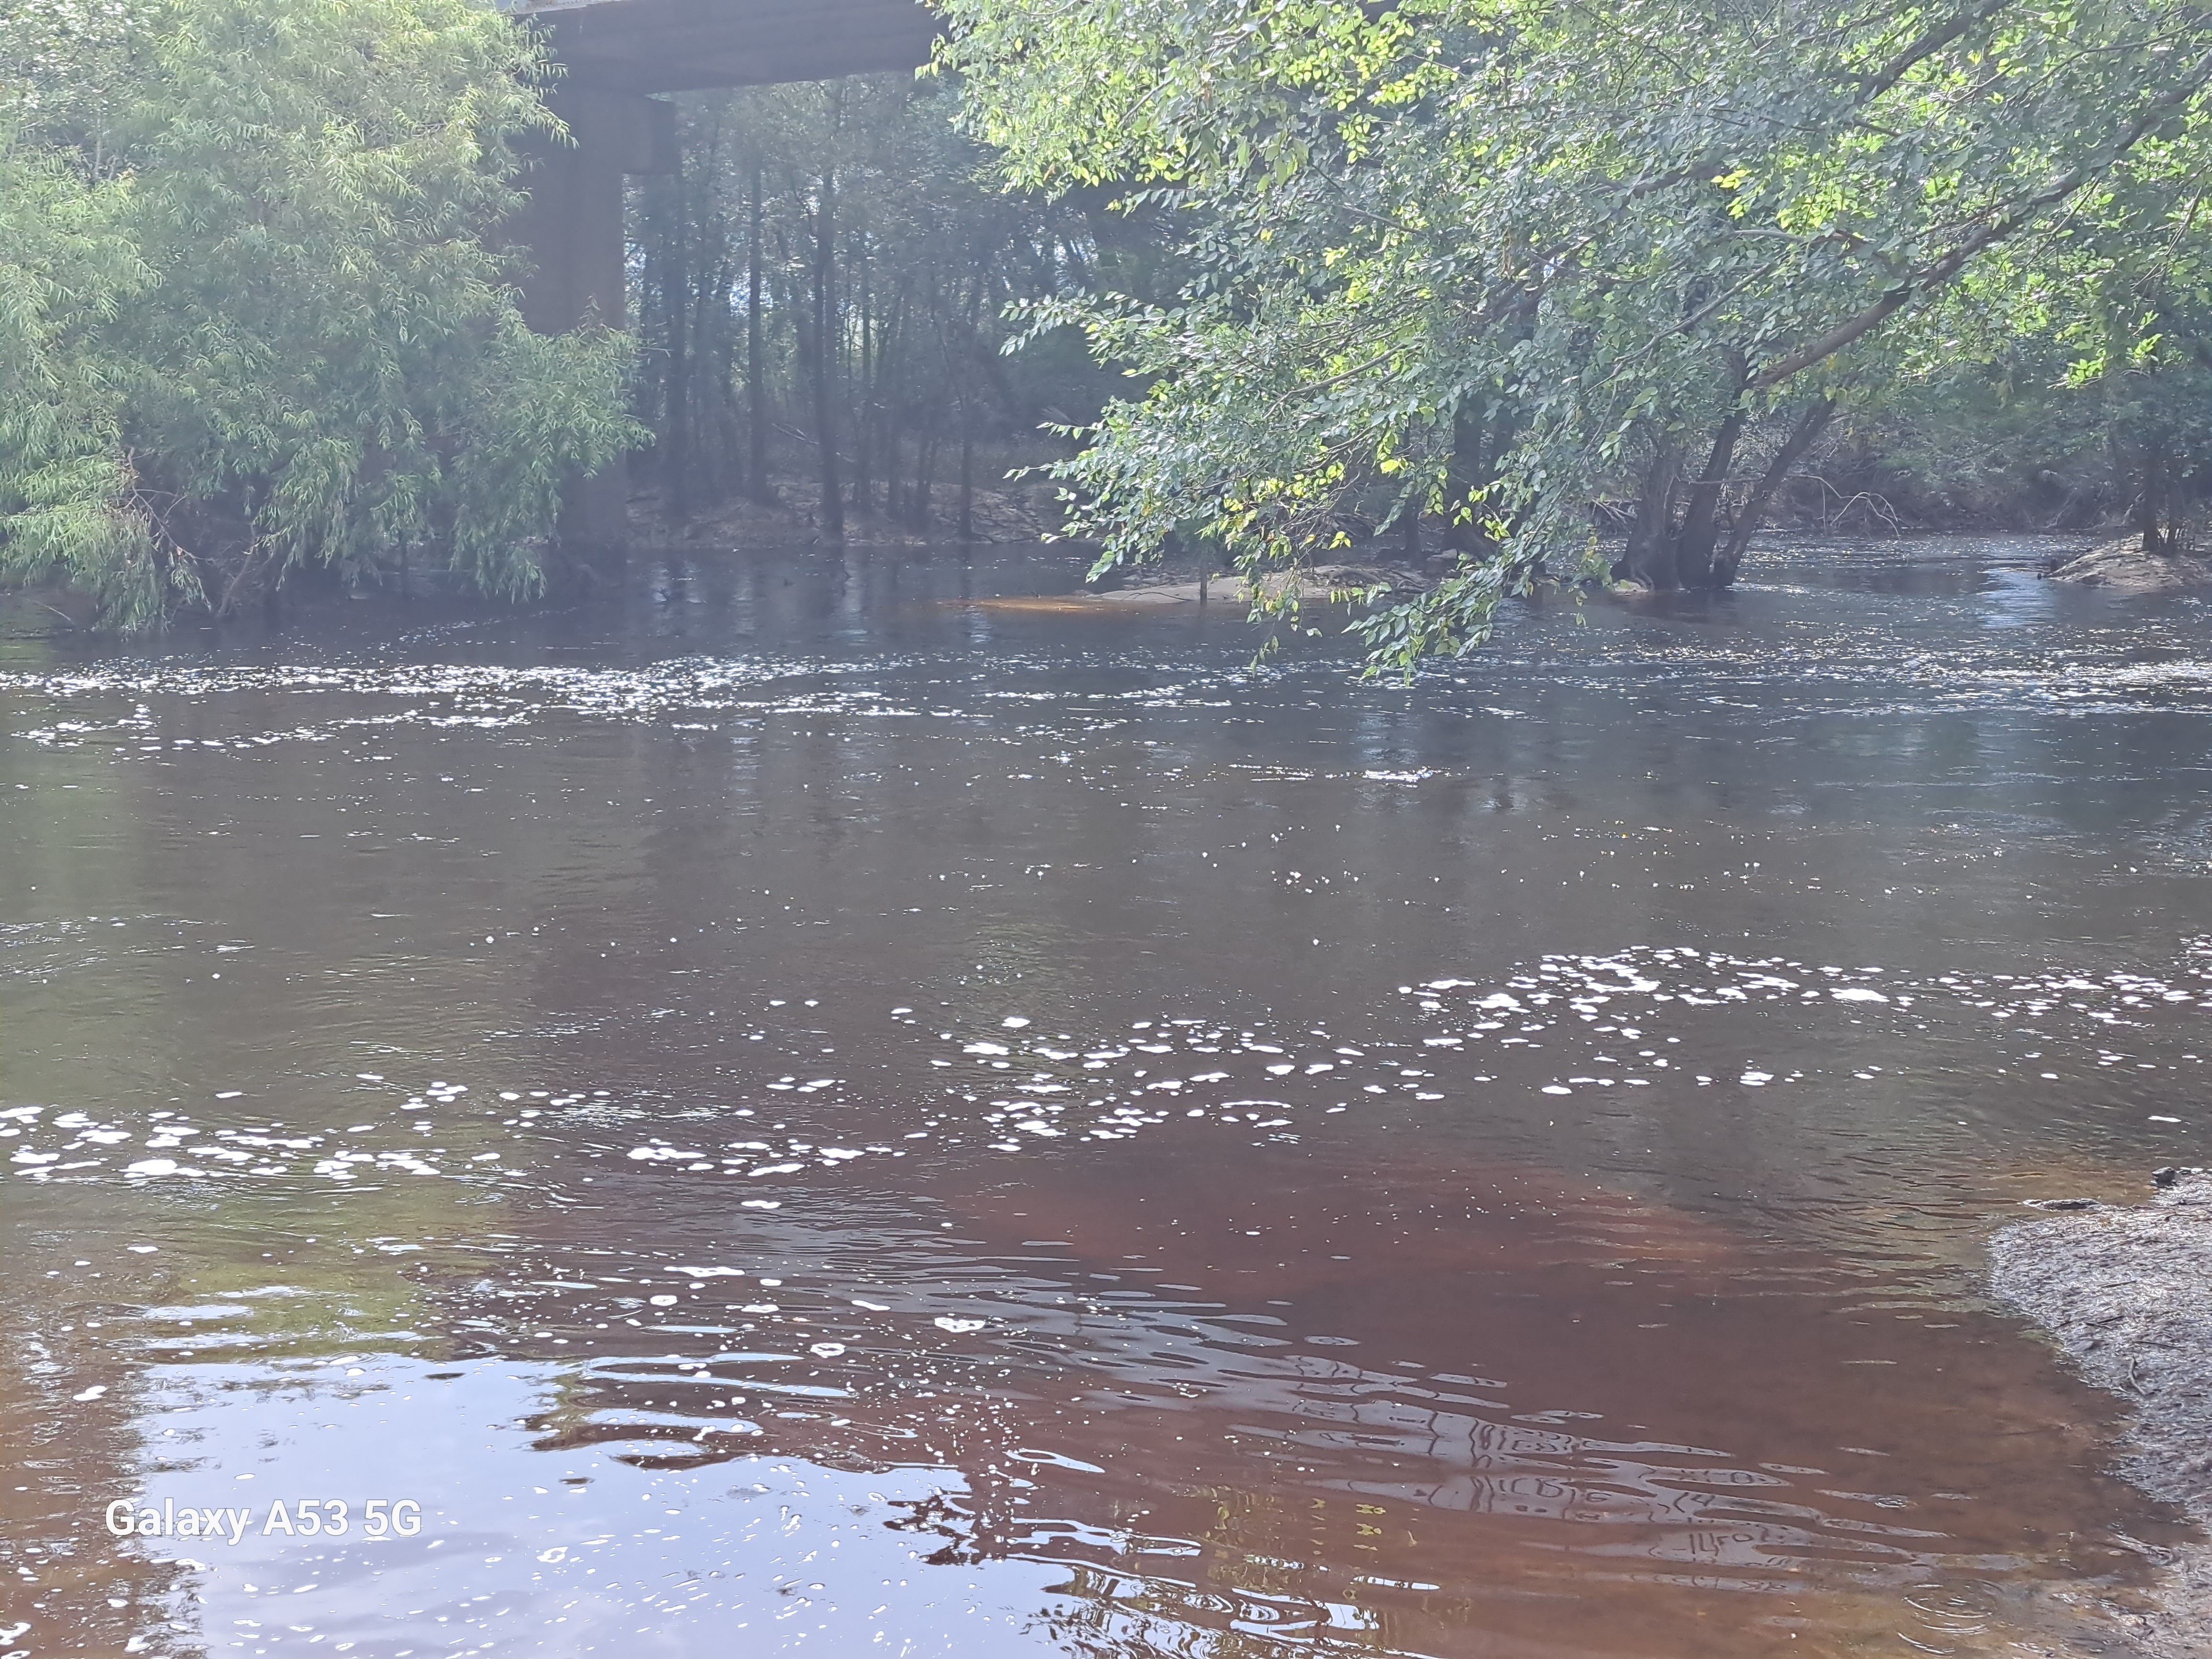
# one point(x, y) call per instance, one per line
point(1170, 585)
point(2127, 1293)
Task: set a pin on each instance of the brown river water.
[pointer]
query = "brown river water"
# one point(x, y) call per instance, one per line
point(801, 1108)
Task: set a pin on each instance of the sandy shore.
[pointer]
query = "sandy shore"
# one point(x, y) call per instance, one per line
point(1156, 589)
point(2128, 1293)
point(1313, 587)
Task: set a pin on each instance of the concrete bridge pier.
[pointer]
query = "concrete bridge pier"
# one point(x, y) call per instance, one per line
point(615, 52)
point(573, 227)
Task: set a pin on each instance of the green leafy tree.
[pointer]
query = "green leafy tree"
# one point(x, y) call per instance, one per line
point(2128, 303)
point(2066, 380)
point(320, 363)
point(64, 485)
point(1498, 262)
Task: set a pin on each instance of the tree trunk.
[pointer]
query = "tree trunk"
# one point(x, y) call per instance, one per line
point(1464, 477)
point(1695, 541)
point(713, 453)
point(675, 306)
point(964, 380)
point(967, 473)
point(925, 463)
point(757, 479)
point(825, 317)
point(2150, 505)
point(864, 426)
point(1810, 425)
point(1650, 555)
point(890, 399)
point(727, 437)
point(1701, 513)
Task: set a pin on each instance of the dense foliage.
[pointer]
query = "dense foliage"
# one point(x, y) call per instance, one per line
point(1570, 290)
point(253, 316)
point(820, 293)
point(1500, 262)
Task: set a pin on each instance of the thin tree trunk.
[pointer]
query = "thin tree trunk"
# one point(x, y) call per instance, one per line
point(2150, 506)
point(925, 462)
point(1464, 477)
point(675, 304)
point(899, 401)
point(756, 478)
point(864, 426)
point(1810, 425)
point(825, 313)
point(965, 379)
point(710, 323)
point(967, 473)
point(714, 321)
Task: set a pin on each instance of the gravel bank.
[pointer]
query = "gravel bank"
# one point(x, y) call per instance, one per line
point(2123, 567)
point(2128, 1294)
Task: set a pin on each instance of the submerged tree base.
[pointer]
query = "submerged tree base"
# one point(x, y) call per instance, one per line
point(2128, 1294)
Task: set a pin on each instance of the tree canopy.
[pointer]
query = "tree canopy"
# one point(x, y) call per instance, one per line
point(1583, 289)
point(254, 313)
point(1499, 261)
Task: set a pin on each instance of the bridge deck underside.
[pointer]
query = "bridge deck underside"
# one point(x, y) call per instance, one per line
point(680, 45)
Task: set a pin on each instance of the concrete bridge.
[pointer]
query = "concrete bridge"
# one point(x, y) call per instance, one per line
point(616, 54)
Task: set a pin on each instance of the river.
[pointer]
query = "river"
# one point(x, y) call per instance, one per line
point(840, 1104)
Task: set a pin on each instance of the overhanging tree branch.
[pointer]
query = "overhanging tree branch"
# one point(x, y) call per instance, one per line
point(1939, 273)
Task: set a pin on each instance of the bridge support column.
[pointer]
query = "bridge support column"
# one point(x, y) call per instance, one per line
point(572, 226)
